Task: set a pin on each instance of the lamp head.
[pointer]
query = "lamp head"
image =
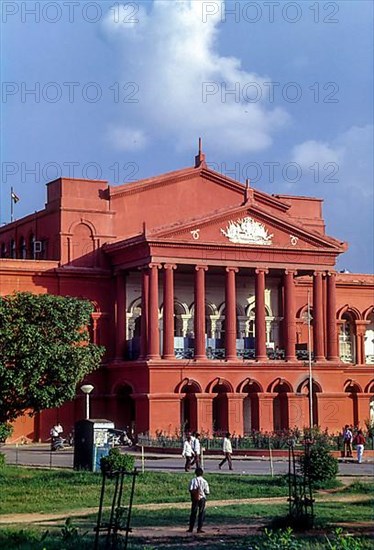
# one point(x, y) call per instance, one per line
point(87, 388)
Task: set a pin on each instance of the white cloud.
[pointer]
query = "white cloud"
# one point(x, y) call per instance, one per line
point(351, 151)
point(310, 152)
point(349, 202)
point(172, 55)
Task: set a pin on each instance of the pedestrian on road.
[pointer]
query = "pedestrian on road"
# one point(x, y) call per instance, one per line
point(198, 489)
point(359, 441)
point(56, 431)
point(196, 447)
point(188, 453)
point(347, 441)
point(227, 451)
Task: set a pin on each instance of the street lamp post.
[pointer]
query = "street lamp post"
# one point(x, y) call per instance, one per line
point(310, 368)
point(87, 389)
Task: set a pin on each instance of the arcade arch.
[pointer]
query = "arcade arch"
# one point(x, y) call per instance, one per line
point(220, 409)
point(251, 409)
point(352, 388)
point(280, 403)
point(188, 407)
point(304, 388)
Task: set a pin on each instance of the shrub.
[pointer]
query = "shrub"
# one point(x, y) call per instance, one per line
point(282, 539)
point(6, 430)
point(2, 460)
point(343, 541)
point(117, 461)
point(318, 462)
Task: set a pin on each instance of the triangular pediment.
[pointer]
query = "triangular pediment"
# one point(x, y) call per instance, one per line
point(187, 193)
point(205, 178)
point(246, 226)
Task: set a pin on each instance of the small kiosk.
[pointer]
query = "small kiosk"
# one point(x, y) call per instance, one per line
point(91, 443)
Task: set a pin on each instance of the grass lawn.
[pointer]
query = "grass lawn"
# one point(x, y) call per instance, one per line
point(27, 490)
point(228, 526)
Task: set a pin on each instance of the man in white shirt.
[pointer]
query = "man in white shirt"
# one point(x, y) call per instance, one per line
point(187, 453)
point(56, 431)
point(227, 451)
point(196, 447)
point(198, 489)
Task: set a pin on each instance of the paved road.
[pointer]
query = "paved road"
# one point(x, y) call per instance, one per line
point(39, 455)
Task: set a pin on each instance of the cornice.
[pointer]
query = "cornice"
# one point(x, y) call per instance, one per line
point(151, 183)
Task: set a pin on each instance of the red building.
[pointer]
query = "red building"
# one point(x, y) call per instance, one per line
point(201, 290)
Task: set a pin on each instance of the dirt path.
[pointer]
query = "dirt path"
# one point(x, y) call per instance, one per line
point(43, 519)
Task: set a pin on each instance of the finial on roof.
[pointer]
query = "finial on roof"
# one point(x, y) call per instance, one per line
point(200, 157)
point(248, 192)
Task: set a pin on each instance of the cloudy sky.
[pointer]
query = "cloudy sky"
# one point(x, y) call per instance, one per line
point(280, 92)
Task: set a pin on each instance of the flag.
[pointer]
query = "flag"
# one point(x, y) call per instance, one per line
point(15, 198)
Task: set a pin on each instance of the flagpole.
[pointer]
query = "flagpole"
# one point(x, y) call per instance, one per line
point(310, 369)
point(11, 204)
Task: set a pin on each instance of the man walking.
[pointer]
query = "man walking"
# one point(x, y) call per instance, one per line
point(196, 447)
point(187, 453)
point(198, 489)
point(227, 451)
point(359, 441)
point(347, 441)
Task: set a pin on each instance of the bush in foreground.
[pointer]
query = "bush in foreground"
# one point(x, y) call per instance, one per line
point(318, 462)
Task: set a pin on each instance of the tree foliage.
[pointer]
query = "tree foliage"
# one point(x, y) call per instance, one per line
point(44, 351)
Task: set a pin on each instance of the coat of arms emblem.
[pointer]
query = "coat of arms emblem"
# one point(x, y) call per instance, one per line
point(247, 231)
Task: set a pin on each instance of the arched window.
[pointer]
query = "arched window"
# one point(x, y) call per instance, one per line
point(347, 339)
point(369, 341)
point(13, 251)
point(22, 249)
point(180, 327)
point(31, 247)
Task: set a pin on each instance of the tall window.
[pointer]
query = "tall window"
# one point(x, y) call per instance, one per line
point(22, 249)
point(346, 340)
point(13, 251)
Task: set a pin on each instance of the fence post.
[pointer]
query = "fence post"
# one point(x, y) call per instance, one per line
point(271, 459)
point(142, 459)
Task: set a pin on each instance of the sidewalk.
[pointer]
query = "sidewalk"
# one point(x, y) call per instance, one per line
point(163, 453)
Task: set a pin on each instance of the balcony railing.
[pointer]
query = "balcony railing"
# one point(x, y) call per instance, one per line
point(184, 349)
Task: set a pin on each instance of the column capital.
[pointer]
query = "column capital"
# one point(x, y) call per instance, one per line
point(362, 322)
point(259, 270)
point(154, 265)
point(361, 327)
point(290, 271)
point(170, 266)
point(203, 267)
point(234, 269)
point(316, 273)
point(330, 273)
point(234, 395)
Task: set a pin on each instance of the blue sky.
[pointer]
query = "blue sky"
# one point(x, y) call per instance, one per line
point(281, 92)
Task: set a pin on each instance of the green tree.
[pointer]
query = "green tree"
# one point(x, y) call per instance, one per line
point(44, 351)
